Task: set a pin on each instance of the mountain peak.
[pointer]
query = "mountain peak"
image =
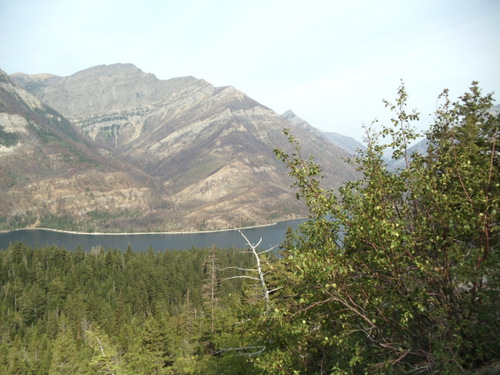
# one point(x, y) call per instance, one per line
point(289, 114)
point(103, 89)
point(207, 151)
point(33, 77)
point(117, 68)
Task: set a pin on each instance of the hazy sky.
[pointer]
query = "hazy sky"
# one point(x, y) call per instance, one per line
point(331, 62)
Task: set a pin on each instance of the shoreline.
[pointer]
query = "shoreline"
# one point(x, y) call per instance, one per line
point(146, 233)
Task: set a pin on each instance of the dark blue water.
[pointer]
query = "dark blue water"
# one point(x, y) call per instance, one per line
point(271, 236)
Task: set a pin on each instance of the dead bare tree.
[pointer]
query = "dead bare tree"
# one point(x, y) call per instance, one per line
point(258, 270)
point(258, 275)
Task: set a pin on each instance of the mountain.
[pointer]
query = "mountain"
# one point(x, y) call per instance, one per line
point(341, 141)
point(418, 148)
point(208, 149)
point(50, 172)
point(346, 143)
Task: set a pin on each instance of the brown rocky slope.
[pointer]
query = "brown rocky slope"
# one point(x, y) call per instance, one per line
point(206, 150)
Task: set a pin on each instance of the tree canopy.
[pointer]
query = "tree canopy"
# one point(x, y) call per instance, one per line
point(397, 272)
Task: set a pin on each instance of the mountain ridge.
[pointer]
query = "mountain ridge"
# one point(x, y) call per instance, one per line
point(53, 171)
point(343, 142)
point(209, 149)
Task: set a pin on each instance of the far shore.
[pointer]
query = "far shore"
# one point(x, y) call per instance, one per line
point(143, 233)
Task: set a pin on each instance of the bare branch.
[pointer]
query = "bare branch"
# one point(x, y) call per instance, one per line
point(240, 269)
point(268, 250)
point(241, 277)
point(275, 289)
point(259, 270)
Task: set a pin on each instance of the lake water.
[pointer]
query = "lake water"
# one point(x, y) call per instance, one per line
point(271, 236)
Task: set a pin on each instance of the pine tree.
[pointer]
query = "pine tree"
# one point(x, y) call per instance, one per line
point(16, 359)
point(211, 286)
point(104, 355)
point(156, 346)
point(65, 354)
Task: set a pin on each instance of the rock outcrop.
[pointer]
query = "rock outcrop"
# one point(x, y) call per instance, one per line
point(209, 150)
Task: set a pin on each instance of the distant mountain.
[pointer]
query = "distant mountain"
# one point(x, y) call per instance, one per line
point(495, 109)
point(419, 148)
point(341, 141)
point(301, 123)
point(346, 143)
point(208, 149)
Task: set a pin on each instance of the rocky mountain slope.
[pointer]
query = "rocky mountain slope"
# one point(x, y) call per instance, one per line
point(343, 142)
point(348, 144)
point(51, 175)
point(208, 149)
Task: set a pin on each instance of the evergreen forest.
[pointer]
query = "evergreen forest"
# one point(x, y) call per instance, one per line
point(397, 272)
point(76, 312)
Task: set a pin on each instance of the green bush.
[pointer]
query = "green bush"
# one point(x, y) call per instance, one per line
point(397, 272)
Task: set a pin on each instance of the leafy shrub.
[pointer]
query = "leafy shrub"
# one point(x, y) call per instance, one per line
point(404, 278)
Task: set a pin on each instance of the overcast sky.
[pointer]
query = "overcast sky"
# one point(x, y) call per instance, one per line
point(331, 62)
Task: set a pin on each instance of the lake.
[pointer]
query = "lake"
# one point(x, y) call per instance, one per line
point(271, 235)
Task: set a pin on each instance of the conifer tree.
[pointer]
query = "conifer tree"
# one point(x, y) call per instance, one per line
point(16, 358)
point(65, 354)
point(156, 347)
point(104, 355)
point(211, 286)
